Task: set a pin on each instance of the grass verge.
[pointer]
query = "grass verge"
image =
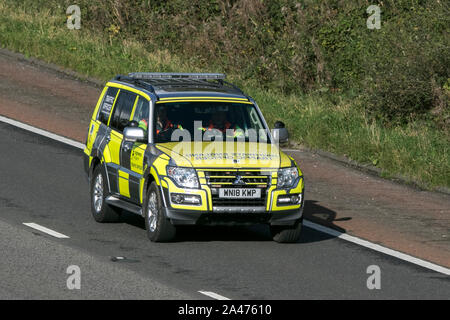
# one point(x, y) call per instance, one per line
point(328, 121)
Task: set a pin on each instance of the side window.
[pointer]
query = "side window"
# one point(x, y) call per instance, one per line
point(106, 106)
point(122, 110)
point(254, 118)
point(142, 110)
point(255, 122)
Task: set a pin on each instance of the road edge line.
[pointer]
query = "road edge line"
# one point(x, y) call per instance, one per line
point(42, 132)
point(214, 295)
point(377, 247)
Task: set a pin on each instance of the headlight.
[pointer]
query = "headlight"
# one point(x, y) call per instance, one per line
point(287, 177)
point(183, 177)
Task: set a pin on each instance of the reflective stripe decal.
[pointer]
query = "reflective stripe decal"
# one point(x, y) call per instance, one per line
point(141, 190)
point(124, 184)
point(134, 187)
point(134, 108)
point(112, 176)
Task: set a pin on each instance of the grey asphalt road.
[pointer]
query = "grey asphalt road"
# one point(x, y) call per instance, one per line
point(42, 181)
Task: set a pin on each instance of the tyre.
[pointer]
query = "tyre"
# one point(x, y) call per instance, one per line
point(101, 211)
point(282, 234)
point(159, 228)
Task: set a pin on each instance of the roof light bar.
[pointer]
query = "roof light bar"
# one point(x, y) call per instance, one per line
point(166, 75)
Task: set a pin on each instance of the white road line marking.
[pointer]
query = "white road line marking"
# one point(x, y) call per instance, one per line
point(214, 295)
point(307, 223)
point(46, 230)
point(41, 132)
point(377, 247)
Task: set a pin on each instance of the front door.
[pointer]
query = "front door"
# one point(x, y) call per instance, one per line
point(119, 120)
point(133, 152)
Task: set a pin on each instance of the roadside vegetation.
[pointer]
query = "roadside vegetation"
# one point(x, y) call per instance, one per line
point(380, 97)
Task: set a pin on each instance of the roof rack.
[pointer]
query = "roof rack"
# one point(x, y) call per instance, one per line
point(167, 75)
point(150, 80)
point(135, 81)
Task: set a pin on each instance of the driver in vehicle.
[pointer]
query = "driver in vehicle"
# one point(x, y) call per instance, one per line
point(164, 126)
point(162, 121)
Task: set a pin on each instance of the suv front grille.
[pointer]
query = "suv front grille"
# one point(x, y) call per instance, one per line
point(251, 178)
point(256, 179)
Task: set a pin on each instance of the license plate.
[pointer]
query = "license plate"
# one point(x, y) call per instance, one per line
point(239, 193)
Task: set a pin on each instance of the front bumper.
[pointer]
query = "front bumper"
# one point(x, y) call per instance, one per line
point(236, 217)
point(209, 213)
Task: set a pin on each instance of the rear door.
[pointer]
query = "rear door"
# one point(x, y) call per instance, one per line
point(98, 129)
point(99, 132)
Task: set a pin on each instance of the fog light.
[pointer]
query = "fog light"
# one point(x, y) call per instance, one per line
point(177, 198)
point(295, 199)
point(289, 199)
point(283, 200)
point(192, 199)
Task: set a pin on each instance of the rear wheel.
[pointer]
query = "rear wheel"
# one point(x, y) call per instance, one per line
point(286, 234)
point(101, 211)
point(159, 228)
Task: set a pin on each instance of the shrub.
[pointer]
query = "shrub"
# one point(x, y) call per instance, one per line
point(400, 70)
point(410, 64)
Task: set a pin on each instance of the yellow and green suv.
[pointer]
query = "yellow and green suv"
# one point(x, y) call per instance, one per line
point(189, 149)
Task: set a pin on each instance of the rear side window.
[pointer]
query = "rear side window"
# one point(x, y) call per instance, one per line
point(107, 103)
point(122, 110)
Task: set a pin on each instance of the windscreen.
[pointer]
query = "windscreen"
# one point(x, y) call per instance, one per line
point(208, 121)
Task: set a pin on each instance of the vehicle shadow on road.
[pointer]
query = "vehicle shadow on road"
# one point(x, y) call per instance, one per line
point(322, 215)
point(313, 212)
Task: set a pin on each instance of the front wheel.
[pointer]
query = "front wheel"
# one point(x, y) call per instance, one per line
point(284, 234)
point(159, 228)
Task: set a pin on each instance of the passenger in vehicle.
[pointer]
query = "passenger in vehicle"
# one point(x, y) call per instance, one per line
point(220, 122)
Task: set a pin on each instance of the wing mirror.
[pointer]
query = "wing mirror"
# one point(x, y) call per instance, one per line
point(280, 133)
point(134, 134)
